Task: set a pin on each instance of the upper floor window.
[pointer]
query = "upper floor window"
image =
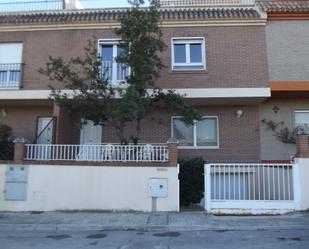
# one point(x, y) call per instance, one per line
point(203, 133)
point(188, 54)
point(10, 65)
point(114, 72)
point(302, 120)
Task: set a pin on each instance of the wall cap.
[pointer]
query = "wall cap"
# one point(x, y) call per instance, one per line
point(21, 140)
point(172, 141)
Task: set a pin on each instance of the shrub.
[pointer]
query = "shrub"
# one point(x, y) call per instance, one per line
point(191, 178)
point(6, 144)
point(6, 133)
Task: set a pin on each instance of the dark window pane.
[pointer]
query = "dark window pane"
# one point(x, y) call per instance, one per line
point(206, 132)
point(196, 53)
point(179, 53)
point(182, 132)
point(107, 53)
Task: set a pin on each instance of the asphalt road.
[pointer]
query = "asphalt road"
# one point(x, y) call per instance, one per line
point(271, 239)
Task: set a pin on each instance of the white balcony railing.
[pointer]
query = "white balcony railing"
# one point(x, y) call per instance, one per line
point(97, 152)
point(53, 5)
point(173, 3)
point(114, 72)
point(10, 75)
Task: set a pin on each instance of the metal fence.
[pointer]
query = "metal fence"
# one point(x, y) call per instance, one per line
point(97, 152)
point(114, 72)
point(54, 5)
point(245, 185)
point(28, 6)
point(7, 6)
point(171, 3)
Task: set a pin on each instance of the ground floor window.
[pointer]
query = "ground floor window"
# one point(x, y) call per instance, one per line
point(302, 119)
point(202, 134)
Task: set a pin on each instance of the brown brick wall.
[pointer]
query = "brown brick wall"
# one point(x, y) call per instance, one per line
point(238, 137)
point(235, 56)
point(67, 126)
point(23, 119)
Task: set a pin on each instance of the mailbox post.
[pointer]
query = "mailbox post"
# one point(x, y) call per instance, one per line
point(157, 188)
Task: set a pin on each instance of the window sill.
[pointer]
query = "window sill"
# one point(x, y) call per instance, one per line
point(201, 71)
point(10, 88)
point(198, 147)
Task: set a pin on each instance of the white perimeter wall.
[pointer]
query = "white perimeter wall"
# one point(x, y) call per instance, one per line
point(92, 188)
point(303, 183)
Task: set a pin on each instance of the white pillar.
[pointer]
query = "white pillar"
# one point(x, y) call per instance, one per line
point(297, 186)
point(207, 190)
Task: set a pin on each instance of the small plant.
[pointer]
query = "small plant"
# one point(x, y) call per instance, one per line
point(191, 178)
point(283, 133)
point(6, 133)
point(6, 144)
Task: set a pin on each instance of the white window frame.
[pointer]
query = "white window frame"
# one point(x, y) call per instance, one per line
point(299, 111)
point(187, 41)
point(195, 146)
point(13, 50)
point(115, 43)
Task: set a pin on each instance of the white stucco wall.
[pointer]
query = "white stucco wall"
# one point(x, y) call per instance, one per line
point(303, 182)
point(92, 188)
point(271, 147)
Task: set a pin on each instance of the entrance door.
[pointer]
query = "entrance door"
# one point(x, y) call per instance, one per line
point(45, 130)
point(90, 133)
point(45, 127)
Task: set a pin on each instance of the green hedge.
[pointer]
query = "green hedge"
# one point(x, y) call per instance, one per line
point(191, 176)
point(6, 150)
point(6, 144)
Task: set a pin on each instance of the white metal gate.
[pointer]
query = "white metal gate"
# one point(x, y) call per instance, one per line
point(249, 188)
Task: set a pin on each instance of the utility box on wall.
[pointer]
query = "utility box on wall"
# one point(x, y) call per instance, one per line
point(16, 179)
point(158, 187)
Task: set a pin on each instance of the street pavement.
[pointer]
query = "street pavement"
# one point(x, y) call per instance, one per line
point(139, 239)
point(161, 221)
point(162, 230)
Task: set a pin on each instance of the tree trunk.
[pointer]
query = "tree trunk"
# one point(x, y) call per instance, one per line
point(138, 129)
point(120, 132)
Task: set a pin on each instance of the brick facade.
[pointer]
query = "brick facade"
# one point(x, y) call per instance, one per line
point(235, 56)
point(23, 119)
point(239, 138)
point(67, 126)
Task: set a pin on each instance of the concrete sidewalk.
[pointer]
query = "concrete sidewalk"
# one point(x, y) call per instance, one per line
point(184, 221)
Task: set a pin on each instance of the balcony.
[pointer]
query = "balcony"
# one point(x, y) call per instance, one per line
point(54, 5)
point(10, 75)
point(11, 6)
point(115, 73)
